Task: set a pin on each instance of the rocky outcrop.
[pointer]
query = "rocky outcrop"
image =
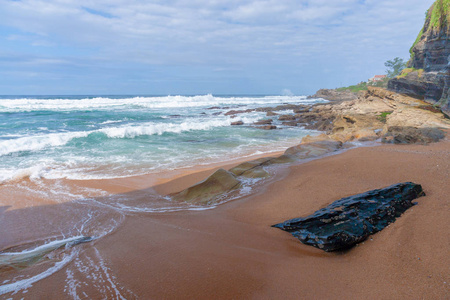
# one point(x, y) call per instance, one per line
point(412, 135)
point(428, 86)
point(334, 95)
point(213, 189)
point(309, 150)
point(430, 53)
point(351, 220)
point(253, 168)
point(371, 115)
point(210, 190)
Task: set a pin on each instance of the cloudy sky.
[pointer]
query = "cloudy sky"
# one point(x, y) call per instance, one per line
point(200, 46)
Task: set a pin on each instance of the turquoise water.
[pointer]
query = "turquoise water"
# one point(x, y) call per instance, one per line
point(107, 137)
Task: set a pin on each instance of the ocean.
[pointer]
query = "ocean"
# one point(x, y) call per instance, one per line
point(98, 137)
point(61, 158)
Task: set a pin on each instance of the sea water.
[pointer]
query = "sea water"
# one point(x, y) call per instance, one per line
point(108, 137)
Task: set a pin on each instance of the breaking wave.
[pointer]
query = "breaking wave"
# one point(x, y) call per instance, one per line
point(41, 142)
point(132, 131)
point(38, 142)
point(105, 103)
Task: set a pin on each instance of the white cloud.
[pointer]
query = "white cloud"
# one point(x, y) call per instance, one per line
point(217, 34)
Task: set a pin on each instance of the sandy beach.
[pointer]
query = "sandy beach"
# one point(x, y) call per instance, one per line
point(225, 150)
point(231, 252)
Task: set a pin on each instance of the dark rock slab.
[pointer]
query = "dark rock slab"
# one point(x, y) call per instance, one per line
point(351, 220)
point(237, 123)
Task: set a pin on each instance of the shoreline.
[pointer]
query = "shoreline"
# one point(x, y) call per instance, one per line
point(232, 252)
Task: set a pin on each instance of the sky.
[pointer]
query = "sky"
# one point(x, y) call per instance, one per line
point(187, 47)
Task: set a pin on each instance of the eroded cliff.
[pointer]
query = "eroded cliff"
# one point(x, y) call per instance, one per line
point(428, 71)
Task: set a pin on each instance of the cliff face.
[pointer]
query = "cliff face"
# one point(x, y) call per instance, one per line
point(429, 66)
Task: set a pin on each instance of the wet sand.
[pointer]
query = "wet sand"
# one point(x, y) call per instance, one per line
point(231, 252)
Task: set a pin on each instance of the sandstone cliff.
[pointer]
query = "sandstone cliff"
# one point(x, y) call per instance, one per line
point(428, 71)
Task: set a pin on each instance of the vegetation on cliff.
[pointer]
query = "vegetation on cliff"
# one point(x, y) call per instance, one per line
point(440, 15)
point(407, 71)
point(362, 86)
point(437, 19)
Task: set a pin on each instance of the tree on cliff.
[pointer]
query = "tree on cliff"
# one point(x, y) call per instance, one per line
point(394, 67)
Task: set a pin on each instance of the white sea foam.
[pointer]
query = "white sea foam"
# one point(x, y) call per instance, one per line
point(132, 131)
point(104, 103)
point(26, 283)
point(38, 142)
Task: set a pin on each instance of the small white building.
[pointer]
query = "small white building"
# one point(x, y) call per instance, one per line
point(377, 78)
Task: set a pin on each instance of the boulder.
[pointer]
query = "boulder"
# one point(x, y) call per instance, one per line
point(351, 220)
point(208, 191)
point(237, 123)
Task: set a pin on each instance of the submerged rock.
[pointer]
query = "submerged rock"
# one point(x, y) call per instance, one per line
point(268, 127)
point(351, 220)
point(209, 190)
point(263, 122)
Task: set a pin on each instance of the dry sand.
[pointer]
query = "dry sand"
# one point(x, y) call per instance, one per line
point(231, 252)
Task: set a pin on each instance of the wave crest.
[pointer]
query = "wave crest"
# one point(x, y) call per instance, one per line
point(105, 103)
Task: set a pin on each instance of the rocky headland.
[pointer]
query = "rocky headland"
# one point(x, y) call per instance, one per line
point(427, 75)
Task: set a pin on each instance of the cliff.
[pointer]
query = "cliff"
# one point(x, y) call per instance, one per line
point(428, 71)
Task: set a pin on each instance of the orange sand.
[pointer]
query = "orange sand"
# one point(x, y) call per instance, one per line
point(231, 252)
